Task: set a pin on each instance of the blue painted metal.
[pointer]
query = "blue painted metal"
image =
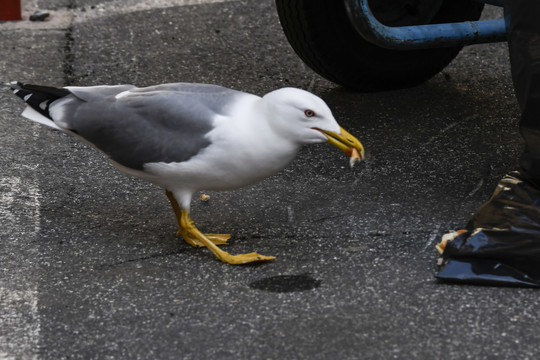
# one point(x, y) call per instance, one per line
point(422, 36)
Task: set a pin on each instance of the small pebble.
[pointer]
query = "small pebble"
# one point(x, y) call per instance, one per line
point(39, 16)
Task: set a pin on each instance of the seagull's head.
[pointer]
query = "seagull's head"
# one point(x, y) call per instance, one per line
point(305, 118)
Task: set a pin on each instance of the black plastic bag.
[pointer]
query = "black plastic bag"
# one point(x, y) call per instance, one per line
point(501, 245)
point(502, 242)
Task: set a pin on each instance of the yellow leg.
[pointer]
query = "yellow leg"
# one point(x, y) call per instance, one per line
point(217, 239)
point(194, 237)
point(188, 228)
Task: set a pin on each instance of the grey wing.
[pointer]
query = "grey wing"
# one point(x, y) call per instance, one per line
point(135, 126)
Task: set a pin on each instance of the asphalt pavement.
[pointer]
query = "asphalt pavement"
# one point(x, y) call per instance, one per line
point(90, 265)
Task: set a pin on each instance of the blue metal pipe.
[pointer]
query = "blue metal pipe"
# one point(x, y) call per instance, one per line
point(422, 36)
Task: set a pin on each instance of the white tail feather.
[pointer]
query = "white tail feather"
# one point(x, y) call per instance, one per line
point(33, 115)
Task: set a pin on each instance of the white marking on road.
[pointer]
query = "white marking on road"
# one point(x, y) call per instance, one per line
point(19, 336)
point(19, 226)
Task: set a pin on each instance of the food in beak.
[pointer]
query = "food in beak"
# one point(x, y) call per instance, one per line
point(355, 157)
point(346, 143)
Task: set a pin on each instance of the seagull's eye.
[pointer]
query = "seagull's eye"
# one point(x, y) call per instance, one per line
point(309, 113)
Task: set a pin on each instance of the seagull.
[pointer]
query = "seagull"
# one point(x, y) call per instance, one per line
point(189, 137)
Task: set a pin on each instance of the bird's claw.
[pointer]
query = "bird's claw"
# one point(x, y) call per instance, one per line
point(244, 258)
point(216, 239)
point(197, 239)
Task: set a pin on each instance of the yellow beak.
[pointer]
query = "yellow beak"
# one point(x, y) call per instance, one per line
point(346, 143)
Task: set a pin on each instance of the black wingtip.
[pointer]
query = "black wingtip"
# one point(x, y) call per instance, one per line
point(38, 97)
